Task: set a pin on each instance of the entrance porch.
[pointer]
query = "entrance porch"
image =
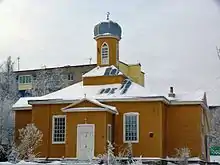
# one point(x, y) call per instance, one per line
point(89, 124)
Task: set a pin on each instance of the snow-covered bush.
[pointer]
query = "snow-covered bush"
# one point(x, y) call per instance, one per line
point(108, 157)
point(126, 151)
point(30, 139)
point(13, 154)
point(183, 154)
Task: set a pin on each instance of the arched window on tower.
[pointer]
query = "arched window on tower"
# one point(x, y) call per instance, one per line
point(105, 54)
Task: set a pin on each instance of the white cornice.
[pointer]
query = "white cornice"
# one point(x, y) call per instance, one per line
point(176, 102)
point(89, 109)
point(106, 36)
point(136, 99)
point(21, 108)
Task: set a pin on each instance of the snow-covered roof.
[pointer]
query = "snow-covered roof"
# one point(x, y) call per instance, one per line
point(78, 91)
point(189, 96)
point(118, 91)
point(22, 103)
point(100, 71)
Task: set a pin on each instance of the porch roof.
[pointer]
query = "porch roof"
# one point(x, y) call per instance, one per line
point(101, 107)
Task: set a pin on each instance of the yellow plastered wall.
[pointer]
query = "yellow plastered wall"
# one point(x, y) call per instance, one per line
point(133, 72)
point(112, 44)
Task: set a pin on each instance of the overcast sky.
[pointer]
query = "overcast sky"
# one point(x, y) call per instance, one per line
point(174, 40)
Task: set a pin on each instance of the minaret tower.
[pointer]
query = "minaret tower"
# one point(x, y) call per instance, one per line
point(107, 35)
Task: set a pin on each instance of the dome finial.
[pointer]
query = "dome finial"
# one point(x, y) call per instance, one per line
point(108, 15)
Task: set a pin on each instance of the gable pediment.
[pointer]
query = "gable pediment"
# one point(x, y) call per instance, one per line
point(86, 104)
point(81, 103)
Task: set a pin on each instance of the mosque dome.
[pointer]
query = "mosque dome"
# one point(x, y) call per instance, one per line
point(107, 28)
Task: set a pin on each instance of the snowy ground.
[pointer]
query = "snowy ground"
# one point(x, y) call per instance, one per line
point(215, 159)
point(52, 163)
point(212, 159)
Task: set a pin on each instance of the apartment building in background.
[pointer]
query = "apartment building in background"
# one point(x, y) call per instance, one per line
point(70, 74)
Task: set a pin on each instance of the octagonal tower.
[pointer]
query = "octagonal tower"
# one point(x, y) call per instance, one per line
point(107, 35)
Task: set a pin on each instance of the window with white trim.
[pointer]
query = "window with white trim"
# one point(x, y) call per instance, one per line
point(109, 132)
point(131, 127)
point(105, 54)
point(59, 129)
point(117, 53)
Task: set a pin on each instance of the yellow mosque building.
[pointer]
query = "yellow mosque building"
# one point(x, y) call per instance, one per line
point(111, 103)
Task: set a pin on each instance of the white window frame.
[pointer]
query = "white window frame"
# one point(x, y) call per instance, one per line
point(106, 60)
point(124, 133)
point(109, 132)
point(53, 122)
point(117, 53)
point(25, 76)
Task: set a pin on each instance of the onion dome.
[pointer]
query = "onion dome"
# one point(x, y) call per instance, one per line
point(107, 28)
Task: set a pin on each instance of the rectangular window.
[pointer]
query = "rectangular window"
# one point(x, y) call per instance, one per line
point(25, 79)
point(70, 77)
point(131, 127)
point(109, 132)
point(59, 129)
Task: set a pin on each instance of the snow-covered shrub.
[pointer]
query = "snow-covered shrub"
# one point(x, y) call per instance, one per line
point(126, 151)
point(183, 154)
point(108, 157)
point(13, 154)
point(30, 139)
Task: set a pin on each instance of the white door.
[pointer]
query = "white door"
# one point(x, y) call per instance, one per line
point(85, 141)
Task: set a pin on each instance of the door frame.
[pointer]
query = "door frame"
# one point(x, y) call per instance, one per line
point(77, 139)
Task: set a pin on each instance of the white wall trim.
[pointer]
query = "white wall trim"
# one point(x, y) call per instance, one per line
point(22, 108)
point(106, 36)
point(109, 127)
point(176, 102)
point(53, 119)
point(88, 109)
point(129, 99)
point(138, 131)
point(137, 99)
point(96, 102)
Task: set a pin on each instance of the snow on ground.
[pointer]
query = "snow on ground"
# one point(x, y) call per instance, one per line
point(215, 159)
point(52, 163)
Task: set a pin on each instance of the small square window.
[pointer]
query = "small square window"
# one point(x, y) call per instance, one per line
point(70, 77)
